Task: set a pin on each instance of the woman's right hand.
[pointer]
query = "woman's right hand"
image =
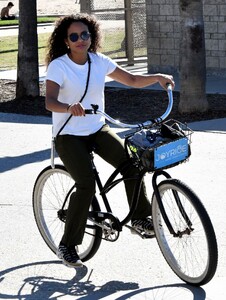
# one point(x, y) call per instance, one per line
point(76, 110)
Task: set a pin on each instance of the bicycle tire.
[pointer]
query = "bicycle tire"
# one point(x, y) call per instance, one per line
point(49, 192)
point(192, 256)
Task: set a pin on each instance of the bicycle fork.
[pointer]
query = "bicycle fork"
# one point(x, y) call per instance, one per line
point(162, 209)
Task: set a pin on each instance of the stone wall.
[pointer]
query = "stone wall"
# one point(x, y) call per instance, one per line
point(163, 34)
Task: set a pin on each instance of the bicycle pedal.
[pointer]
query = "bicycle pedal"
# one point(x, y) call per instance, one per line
point(148, 235)
point(141, 233)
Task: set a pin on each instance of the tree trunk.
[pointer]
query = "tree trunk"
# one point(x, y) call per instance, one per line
point(27, 62)
point(192, 58)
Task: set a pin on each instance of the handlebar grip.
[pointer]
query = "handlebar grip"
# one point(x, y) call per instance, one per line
point(169, 86)
point(89, 111)
point(92, 110)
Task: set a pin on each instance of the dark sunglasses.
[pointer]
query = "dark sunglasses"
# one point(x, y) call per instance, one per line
point(85, 35)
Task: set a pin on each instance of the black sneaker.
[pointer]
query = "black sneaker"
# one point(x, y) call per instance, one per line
point(69, 256)
point(143, 225)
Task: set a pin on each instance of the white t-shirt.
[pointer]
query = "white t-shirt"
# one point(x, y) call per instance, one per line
point(72, 78)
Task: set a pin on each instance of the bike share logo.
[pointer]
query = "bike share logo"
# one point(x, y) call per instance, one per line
point(171, 153)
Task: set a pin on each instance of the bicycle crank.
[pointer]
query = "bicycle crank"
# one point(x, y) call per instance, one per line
point(110, 234)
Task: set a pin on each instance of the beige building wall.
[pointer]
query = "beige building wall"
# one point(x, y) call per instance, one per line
point(163, 35)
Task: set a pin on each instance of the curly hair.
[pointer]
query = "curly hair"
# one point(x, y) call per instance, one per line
point(56, 45)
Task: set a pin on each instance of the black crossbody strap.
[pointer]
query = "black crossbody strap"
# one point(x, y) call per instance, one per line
point(83, 96)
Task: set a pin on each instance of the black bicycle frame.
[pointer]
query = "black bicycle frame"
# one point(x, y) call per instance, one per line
point(111, 182)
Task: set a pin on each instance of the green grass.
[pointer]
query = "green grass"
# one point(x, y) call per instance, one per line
point(9, 50)
point(111, 46)
point(39, 20)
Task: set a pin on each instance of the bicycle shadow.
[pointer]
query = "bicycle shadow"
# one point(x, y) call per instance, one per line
point(167, 292)
point(45, 287)
point(49, 287)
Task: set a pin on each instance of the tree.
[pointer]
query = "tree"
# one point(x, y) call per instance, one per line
point(27, 62)
point(192, 58)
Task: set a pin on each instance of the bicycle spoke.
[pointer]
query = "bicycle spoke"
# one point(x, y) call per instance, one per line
point(50, 192)
point(192, 252)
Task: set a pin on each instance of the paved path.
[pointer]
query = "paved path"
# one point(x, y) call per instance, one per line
point(214, 84)
point(127, 269)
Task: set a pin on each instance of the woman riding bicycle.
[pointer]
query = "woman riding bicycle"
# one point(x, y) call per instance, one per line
point(75, 80)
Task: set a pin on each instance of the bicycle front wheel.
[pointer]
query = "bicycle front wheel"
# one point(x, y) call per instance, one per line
point(191, 251)
point(51, 195)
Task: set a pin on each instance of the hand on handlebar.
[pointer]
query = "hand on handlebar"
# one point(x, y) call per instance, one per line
point(77, 110)
point(165, 80)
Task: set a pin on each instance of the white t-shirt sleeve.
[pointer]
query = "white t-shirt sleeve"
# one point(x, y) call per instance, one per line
point(55, 72)
point(109, 64)
point(111, 67)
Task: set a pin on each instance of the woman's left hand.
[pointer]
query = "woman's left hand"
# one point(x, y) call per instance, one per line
point(165, 79)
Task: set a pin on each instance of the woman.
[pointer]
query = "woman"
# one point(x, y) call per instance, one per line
point(75, 79)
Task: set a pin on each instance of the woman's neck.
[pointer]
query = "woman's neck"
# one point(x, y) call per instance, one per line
point(79, 59)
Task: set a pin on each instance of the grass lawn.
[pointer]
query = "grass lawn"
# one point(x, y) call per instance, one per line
point(16, 22)
point(9, 50)
point(112, 46)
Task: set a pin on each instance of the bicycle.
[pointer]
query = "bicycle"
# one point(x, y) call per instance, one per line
point(182, 226)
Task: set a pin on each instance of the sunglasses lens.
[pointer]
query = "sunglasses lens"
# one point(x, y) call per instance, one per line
point(73, 37)
point(85, 35)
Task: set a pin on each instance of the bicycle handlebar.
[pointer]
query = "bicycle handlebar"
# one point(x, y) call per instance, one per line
point(146, 124)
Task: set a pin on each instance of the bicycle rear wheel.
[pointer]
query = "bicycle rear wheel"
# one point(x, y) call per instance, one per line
point(51, 190)
point(192, 252)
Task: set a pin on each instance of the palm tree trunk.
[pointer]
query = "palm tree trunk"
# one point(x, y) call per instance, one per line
point(27, 62)
point(192, 58)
